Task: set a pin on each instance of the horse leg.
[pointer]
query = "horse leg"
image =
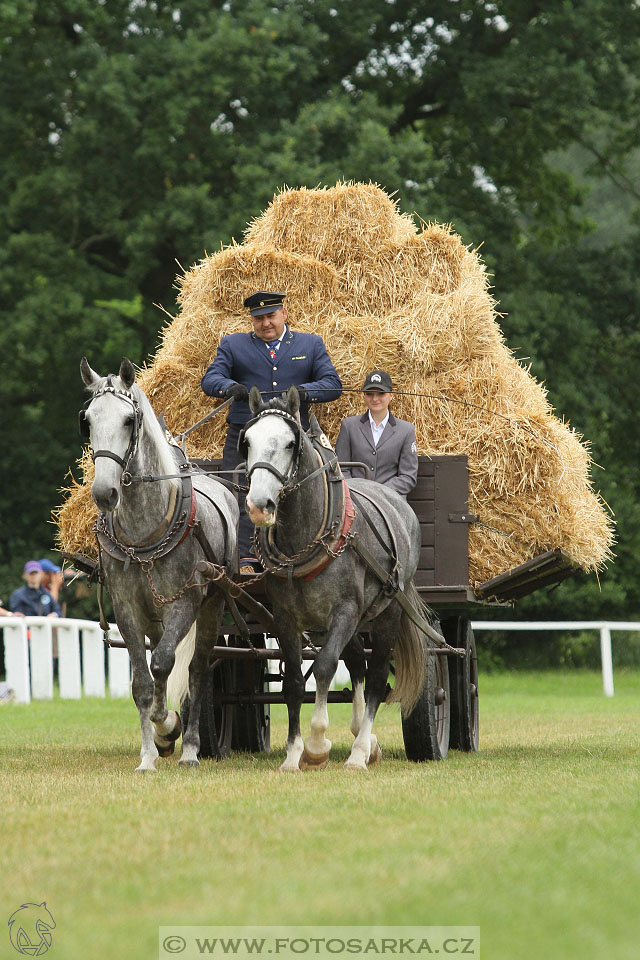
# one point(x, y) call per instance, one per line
point(176, 626)
point(142, 690)
point(366, 750)
point(207, 630)
point(354, 658)
point(293, 692)
point(317, 747)
point(165, 734)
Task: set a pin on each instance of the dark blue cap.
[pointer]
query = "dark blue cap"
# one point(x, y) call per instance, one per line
point(264, 302)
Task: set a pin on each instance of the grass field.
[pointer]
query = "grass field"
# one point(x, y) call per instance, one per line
point(535, 839)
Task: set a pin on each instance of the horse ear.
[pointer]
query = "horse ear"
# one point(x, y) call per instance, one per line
point(255, 399)
point(89, 376)
point(127, 373)
point(293, 401)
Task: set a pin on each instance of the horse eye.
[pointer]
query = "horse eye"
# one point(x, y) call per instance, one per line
point(128, 421)
point(291, 445)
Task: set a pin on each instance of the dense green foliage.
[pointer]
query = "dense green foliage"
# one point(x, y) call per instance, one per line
point(135, 135)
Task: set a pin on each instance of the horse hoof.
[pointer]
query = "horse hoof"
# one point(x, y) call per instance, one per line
point(375, 756)
point(188, 763)
point(289, 768)
point(354, 765)
point(165, 749)
point(142, 769)
point(308, 761)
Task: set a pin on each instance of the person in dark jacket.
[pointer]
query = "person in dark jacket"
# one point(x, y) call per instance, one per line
point(273, 357)
point(384, 443)
point(33, 600)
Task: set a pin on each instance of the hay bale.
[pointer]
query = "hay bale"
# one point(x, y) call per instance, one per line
point(383, 293)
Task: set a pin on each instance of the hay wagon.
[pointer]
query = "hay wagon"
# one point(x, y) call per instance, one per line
point(240, 686)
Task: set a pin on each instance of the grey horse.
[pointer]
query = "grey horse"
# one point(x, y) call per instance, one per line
point(344, 597)
point(152, 536)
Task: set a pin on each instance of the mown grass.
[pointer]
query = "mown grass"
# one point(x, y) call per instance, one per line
point(535, 839)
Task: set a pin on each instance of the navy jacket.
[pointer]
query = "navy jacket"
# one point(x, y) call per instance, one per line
point(33, 602)
point(302, 360)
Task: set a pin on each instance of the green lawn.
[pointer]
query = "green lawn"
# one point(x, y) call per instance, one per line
point(535, 839)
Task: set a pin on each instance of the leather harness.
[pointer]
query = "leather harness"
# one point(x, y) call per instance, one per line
point(335, 530)
point(178, 521)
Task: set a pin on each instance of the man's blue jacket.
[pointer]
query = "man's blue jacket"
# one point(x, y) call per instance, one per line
point(302, 360)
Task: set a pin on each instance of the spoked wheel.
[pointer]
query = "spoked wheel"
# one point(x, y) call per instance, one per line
point(464, 686)
point(426, 729)
point(251, 721)
point(216, 719)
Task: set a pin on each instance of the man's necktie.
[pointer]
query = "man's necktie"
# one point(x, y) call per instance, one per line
point(271, 347)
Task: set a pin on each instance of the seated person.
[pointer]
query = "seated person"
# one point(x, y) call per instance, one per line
point(33, 600)
point(385, 444)
point(273, 357)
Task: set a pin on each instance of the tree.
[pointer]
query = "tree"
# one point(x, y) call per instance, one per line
point(138, 135)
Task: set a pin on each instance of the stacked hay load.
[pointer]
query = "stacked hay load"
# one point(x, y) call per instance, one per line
point(383, 293)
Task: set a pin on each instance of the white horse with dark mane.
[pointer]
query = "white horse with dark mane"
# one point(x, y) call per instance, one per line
point(157, 521)
point(322, 541)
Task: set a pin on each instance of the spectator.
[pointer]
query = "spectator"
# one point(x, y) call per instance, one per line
point(52, 578)
point(33, 600)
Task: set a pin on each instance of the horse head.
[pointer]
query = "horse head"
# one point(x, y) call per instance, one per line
point(112, 421)
point(271, 444)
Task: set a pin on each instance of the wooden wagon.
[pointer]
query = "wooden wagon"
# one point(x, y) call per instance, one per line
point(240, 687)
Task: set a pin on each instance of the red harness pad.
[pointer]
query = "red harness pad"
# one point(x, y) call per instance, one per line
point(349, 514)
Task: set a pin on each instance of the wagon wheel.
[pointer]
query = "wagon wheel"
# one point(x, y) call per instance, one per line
point(216, 720)
point(251, 722)
point(464, 686)
point(426, 729)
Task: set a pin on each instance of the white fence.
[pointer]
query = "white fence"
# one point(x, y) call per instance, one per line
point(29, 641)
point(28, 656)
point(604, 628)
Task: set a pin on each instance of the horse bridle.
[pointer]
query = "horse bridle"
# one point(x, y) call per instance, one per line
point(288, 480)
point(83, 428)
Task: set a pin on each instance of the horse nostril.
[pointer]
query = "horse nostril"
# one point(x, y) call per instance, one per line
point(270, 506)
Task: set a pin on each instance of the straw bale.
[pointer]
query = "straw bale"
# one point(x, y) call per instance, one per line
point(329, 224)
point(417, 304)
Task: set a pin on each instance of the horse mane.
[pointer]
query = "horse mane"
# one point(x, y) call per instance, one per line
point(276, 403)
point(151, 426)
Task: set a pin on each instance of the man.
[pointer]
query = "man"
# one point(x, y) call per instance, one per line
point(273, 357)
point(386, 444)
point(33, 600)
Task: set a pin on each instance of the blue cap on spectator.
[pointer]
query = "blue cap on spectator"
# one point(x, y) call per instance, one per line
point(48, 566)
point(32, 566)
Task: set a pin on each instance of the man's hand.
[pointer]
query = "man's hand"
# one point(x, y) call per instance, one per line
point(238, 391)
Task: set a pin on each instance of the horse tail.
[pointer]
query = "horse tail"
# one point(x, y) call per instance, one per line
point(410, 656)
point(178, 681)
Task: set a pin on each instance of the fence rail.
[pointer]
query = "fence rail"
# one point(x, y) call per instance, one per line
point(83, 668)
point(604, 628)
point(28, 658)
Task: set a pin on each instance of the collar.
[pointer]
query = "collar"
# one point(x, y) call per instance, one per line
point(286, 332)
point(378, 426)
point(365, 418)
